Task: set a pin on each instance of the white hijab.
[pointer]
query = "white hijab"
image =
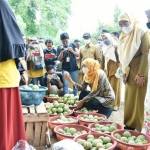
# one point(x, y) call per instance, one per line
point(109, 51)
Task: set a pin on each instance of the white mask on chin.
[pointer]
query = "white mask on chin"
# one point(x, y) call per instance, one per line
point(85, 70)
point(128, 29)
point(87, 41)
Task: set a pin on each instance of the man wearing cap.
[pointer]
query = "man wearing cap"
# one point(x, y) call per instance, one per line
point(89, 50)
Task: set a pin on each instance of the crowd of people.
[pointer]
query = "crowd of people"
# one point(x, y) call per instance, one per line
point(93, 71)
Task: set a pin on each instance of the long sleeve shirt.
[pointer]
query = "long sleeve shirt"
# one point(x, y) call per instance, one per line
point(104, 92)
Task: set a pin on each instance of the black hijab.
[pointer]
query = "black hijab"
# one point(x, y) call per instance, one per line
point(11, 41)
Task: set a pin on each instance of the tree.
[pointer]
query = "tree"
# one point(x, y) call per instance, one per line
point(53, 16)
point(110, 27)
point(44, 18)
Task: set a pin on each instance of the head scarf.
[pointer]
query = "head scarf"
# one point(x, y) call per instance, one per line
point(94, 72)
point(11, 41)
point(129, 44)
point(109, 51)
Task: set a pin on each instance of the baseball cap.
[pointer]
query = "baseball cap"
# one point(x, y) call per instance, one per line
point(87, 35)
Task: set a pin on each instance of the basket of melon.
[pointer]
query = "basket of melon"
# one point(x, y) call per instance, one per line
point(83, 110)
point(95, 141)
point(52, 97)
point(87, 119)
point(57, 109)
point(61, 120)
point(70, 99)
point(70, 131)
point(105, 127)
point(131, 140)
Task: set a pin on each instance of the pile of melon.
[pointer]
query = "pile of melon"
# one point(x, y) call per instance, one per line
point(128, 138)
point(105, 128)
point(71, 131)
point(91, 143)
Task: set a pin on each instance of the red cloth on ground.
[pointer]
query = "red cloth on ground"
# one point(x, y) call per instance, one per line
point(11, 118)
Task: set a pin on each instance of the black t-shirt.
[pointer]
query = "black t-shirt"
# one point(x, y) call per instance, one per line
point(68, 66)
point(50, 61)
point(53, 81)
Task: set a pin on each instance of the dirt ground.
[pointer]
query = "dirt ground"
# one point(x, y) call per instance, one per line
point(116, 116)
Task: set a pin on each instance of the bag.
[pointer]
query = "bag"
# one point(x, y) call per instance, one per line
point(38, 63)
point(23, 145)
point(67, 145)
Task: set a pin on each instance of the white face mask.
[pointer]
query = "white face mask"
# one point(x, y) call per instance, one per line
point(87, 41)
point(128, 29)
point(85, 70)
point(35, 45)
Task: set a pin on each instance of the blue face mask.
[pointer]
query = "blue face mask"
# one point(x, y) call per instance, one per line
point(148, 25)
point(107, 42)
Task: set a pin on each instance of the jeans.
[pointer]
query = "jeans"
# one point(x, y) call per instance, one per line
point(95, 104)
point(74, 76)
point(36, 80)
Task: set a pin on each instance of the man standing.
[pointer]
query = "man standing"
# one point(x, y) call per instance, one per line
point(50, 53)
point(89, 50)
point(67, 54)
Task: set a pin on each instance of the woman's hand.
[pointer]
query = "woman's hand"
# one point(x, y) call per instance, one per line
point(124, 78)
point(80, 104)
point(67, 76)
point(140, 80)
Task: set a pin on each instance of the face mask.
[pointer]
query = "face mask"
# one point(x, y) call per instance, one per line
point(85, 70)
point(107, 42)
point(87, 41)
point(35, 45)
point(128, 29)
point(148, 25)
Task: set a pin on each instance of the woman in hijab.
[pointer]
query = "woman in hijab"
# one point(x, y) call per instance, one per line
point(146, 127)
point(11, 47)
point(110, 66)
point(133, 49)
point(101, 97)
point(36, 73)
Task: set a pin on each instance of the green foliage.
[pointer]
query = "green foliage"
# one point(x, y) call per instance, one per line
point(44, 18)
point(110, 27)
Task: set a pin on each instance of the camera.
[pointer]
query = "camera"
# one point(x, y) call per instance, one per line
point(53, 76)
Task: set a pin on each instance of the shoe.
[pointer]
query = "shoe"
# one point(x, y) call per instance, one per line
point(115, 109)
point(128, 128)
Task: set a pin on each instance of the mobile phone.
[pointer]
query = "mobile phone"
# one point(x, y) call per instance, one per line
point(48, 55)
